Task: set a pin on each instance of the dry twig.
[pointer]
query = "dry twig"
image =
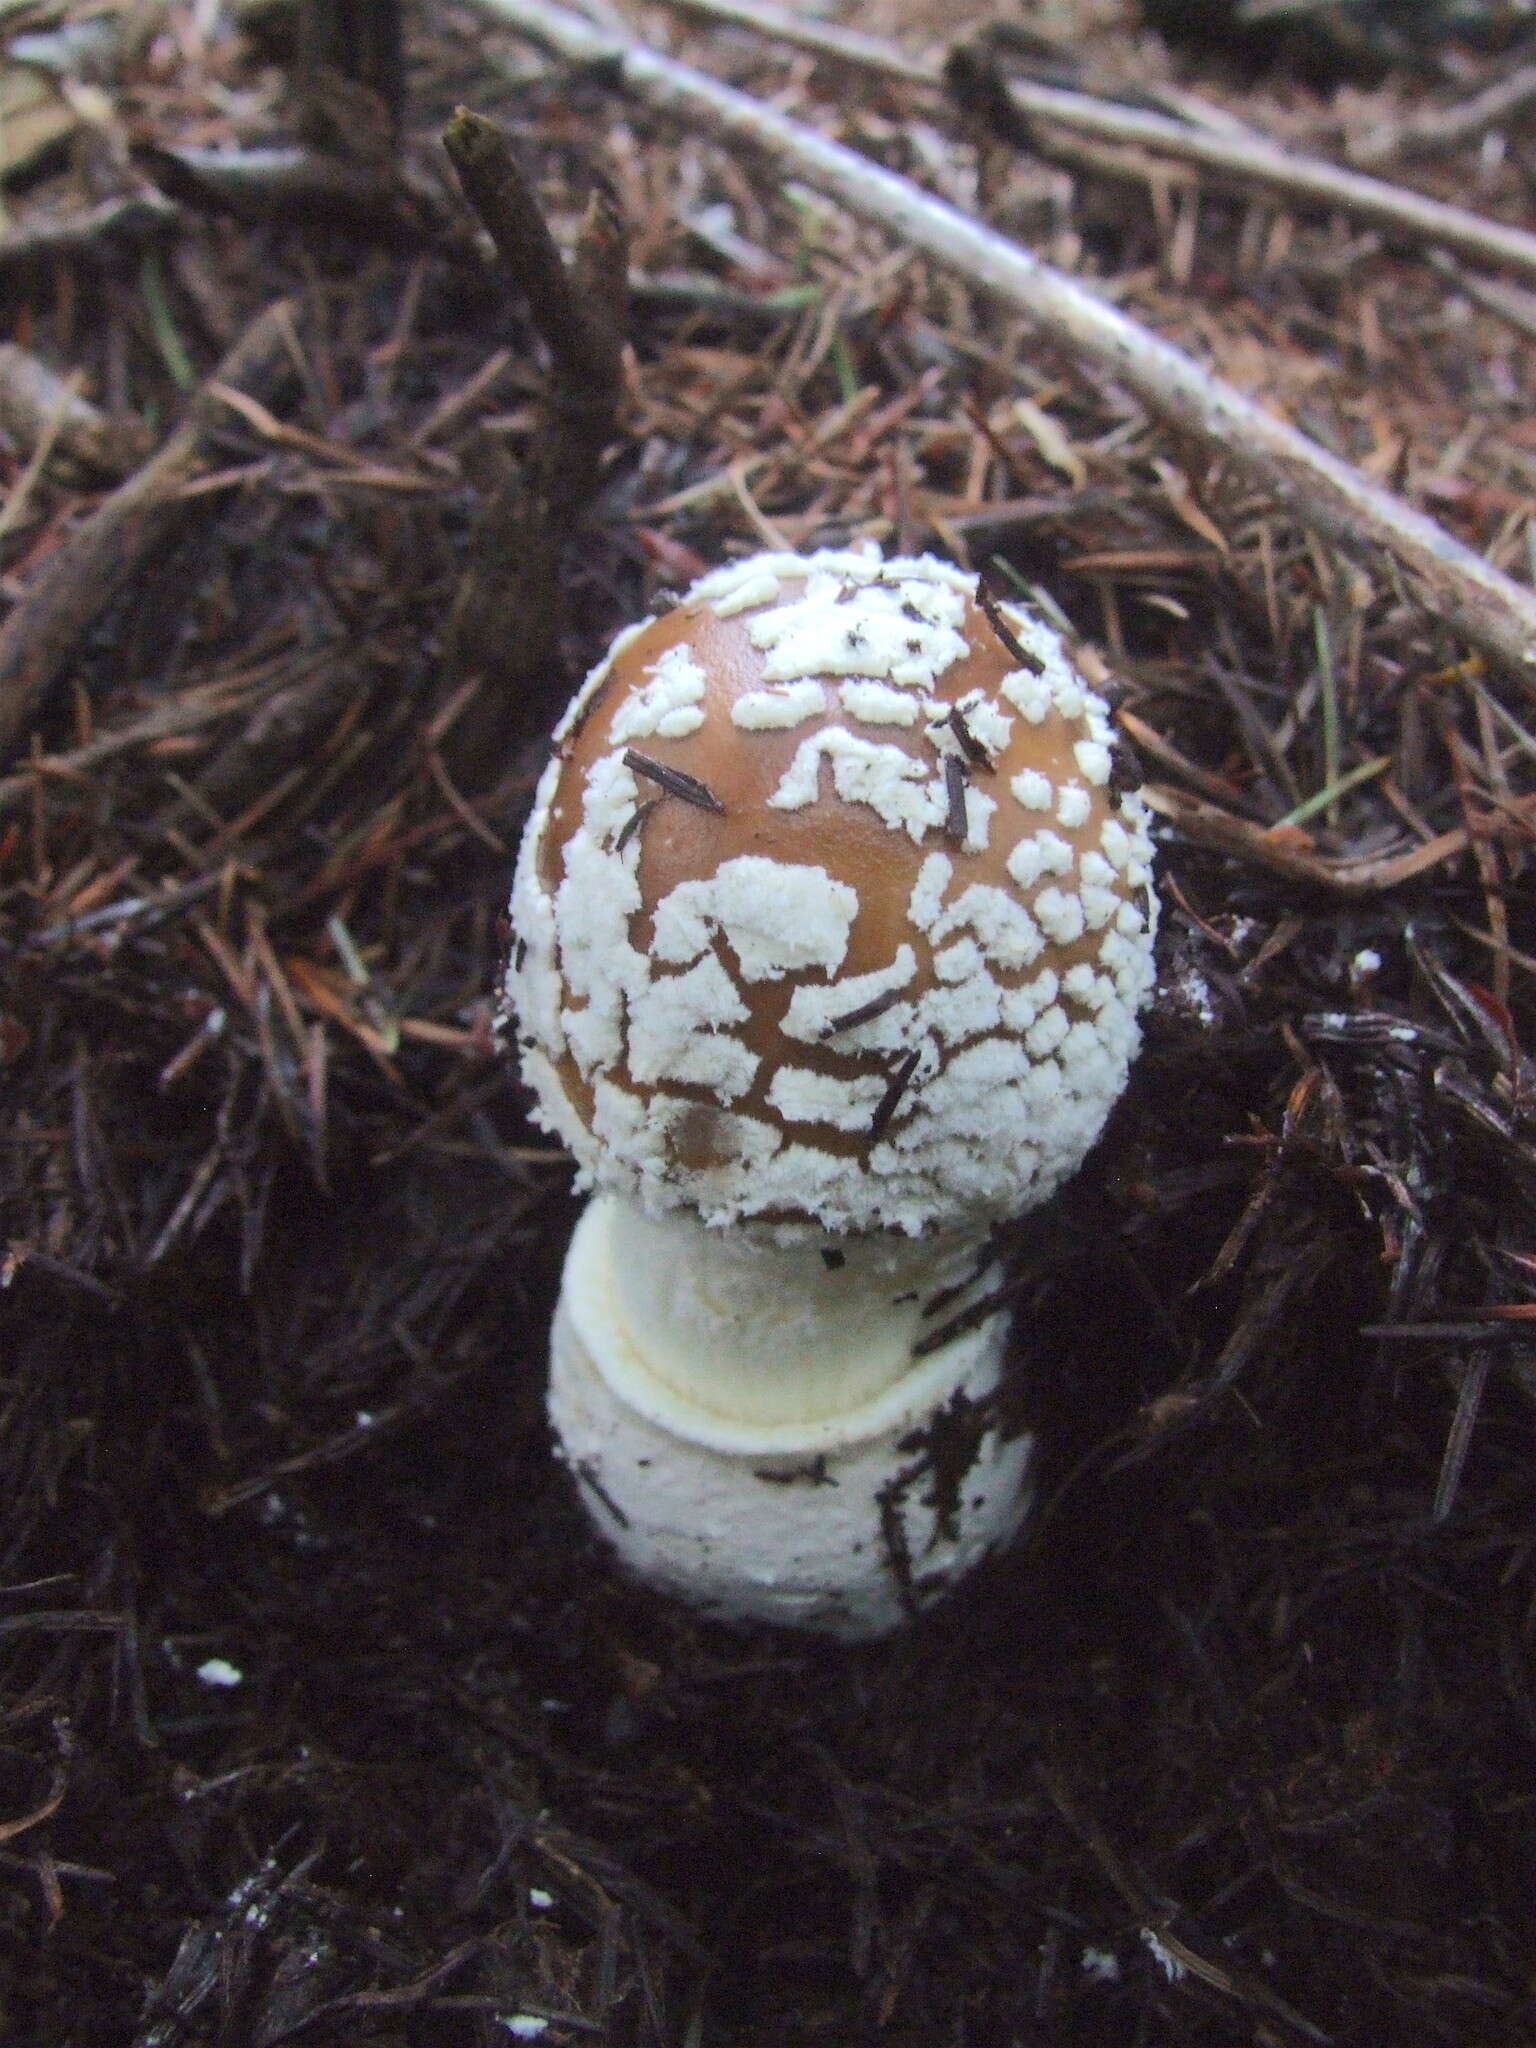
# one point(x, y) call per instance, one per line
point(1509, 302)
point(826, 38)
point(1245, 157)
point(77, 583)
point(97, 233)
point(46, 413)
point(1285, 851)
point(306, 185)
point(1436, 128)
point(1251, 161)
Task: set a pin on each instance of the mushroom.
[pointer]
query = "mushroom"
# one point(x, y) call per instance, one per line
point(831, 923)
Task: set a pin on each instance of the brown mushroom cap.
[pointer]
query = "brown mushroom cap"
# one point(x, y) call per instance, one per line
point(828, 913)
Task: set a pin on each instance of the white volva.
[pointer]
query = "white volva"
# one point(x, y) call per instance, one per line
point(751, 1429)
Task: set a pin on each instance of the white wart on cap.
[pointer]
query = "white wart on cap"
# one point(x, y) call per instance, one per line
point(830, 915)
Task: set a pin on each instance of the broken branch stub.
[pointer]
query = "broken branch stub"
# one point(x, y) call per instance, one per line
point(509, 612)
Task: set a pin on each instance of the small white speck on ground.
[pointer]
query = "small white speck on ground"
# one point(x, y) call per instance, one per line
point(1164, 1958)
point(219, 1671)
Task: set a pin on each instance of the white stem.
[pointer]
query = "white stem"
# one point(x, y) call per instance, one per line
point(762, 1336)
point(764, 1435)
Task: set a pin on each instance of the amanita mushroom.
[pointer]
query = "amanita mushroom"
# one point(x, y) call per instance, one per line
point(831, 924)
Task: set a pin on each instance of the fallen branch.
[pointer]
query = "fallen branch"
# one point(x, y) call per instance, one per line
point(79, 581)
point(1063, 61)
point(1252, 161)
point(1437, 128)
point(872, 53)
point(1477, 601)
point(1247, 158)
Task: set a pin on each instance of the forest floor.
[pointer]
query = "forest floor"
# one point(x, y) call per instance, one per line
point(323, 1715)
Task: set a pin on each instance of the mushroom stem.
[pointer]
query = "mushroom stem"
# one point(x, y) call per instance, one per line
point(754, 1428)
point(767, 1336)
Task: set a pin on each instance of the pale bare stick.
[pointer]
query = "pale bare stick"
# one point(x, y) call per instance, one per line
point(1477, 601)
point(872, 53)
point(1308, 180)
point(1509, 302)
point(826, 38)
point(1438, 128)
point(1248, 158)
